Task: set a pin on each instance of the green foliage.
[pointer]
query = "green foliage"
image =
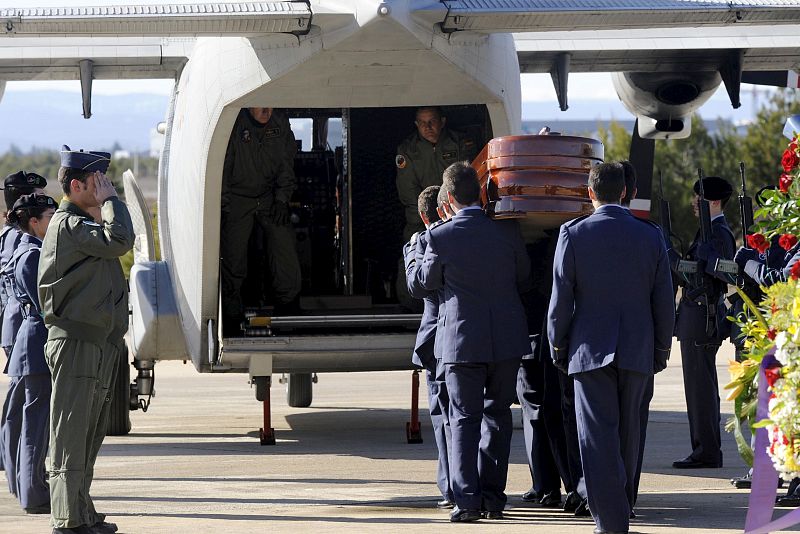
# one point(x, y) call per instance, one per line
point(719, 154)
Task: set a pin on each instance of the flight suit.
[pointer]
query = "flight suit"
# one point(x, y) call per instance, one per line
point(77, 297)
point(258, 171)
point(420, 164)
point(699, 328)
point(26, 430)
point(114, 355)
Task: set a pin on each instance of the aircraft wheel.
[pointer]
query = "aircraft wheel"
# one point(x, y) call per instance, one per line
point(299, 390)
point(119, 417)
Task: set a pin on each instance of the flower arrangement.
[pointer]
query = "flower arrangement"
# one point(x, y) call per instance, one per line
point(774, 325)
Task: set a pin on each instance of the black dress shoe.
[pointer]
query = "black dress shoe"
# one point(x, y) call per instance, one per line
point(742, 482)
point(788, 501)
point(464, 516)
point(572, 502)
point(691, 463)
point(83, 529)
point(551, 499)
point(44, 509)
point(531, 496)
point(632, 515)
point(583, 509)
point(445, 503)
point(492, 514)
point(104, 527)
point(601, 531)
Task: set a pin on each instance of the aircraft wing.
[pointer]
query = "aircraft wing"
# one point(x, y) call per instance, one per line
point(495, 16)
point(124, 42)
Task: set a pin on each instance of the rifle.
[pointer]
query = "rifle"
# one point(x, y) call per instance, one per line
point(666, 216)
point(745, 206)
point(705, 212)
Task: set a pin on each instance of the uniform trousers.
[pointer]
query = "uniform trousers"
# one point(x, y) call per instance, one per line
point(26, 438)
point(102, 411)
point(645, 416)
point(284, 266)
point(539, 396)
point(608, 401)
point(75, 367)
point(480, 422)
point(439, 405)
point(573, 452)
point(7, 351)
point(702, 400)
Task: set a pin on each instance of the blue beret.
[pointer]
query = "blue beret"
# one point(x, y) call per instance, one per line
point(84, 161)
point(714, 187)
point(24, 180)
point(34, 201)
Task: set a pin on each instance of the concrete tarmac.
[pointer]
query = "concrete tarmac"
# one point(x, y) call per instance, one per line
point(193, 463)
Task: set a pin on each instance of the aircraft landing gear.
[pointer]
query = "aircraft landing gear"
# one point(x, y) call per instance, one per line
point(266, 433)
point(413, 427)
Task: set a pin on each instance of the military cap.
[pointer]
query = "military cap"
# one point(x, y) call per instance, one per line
point(34, 201)
point(714, 188)
point(84, 161)
point(24, 180)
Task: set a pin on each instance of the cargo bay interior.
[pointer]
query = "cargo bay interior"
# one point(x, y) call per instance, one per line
point(348, 222)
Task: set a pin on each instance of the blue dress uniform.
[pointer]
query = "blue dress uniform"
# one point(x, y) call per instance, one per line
point(701, 326)
point(423, 356)
point(482, 267)
point(611, 316)
point(29, 405)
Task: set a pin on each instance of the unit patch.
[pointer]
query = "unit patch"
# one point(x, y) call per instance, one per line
point(449, 155)
point(246, 136)
point(400, 161)
point(272, 132)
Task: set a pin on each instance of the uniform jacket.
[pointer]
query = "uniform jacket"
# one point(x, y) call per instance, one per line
point(259, 162)
point(12, 318)
point(420, 164)
point(75, 279)
point(692, 313)
point(767, 274)
point(423, 354)
point(482, 266)
point(612, 297)
point(27, 357)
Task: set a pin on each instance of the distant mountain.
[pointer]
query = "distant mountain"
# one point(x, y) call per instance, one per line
point(49, 119)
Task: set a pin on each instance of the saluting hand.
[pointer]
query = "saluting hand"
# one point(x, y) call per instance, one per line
point(103, 188)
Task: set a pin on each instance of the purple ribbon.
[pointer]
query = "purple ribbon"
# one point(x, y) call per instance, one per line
point(765, 479)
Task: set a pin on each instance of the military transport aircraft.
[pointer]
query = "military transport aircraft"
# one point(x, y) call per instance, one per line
point(359, 67)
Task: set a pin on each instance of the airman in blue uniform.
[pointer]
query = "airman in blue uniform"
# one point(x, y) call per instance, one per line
point(28, 412)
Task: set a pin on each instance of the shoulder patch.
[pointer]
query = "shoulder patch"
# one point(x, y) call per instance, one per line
point(246, 136)
point(400, 161)
point(437, 223)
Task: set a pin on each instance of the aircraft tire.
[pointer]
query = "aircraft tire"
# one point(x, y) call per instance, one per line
point(119, 418)
point(299, 390)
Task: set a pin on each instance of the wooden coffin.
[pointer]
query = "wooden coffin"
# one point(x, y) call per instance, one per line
point(538, 178)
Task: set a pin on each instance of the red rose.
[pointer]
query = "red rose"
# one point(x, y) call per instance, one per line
point(789, 160)
point(784, 182)
point(787, 241)
point(758, 242)
point(795, 271)
point(772, 374)
point(771, 334)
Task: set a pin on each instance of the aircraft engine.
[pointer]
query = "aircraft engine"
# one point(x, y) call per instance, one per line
point(663, 102)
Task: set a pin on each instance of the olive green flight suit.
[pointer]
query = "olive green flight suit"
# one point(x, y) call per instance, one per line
point(114, 356)
point(77, 296)
point(258, 171)
point(420, 164)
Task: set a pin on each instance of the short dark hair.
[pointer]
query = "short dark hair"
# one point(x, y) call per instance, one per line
point(426, 203)
point(12, 194)
point(435, 109)
point(67, 174)
point(630, 181)
point(607, 180)
point(461, 181)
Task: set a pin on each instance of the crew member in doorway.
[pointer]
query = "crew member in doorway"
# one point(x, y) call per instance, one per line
point(421, 159)
point(257, 182)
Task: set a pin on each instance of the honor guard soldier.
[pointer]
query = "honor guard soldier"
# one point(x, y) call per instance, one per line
point(14, 186)
point(28, 406)
point(701, 324)
point(257, 182)
point(76, 291)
